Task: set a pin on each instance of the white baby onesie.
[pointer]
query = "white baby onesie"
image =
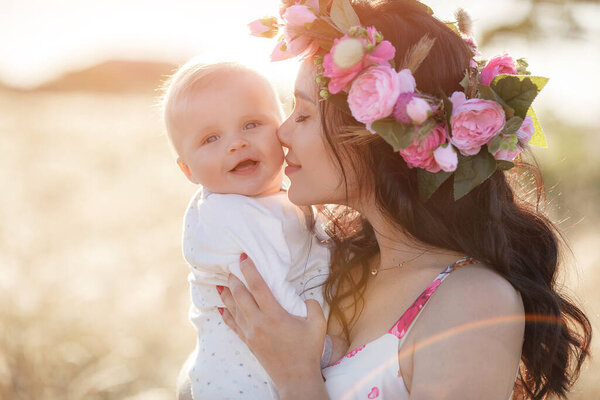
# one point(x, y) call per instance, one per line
point(293, 262)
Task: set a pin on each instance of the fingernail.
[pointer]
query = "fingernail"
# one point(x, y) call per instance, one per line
point(220, 288)
point(243, 257)
point(221, 310)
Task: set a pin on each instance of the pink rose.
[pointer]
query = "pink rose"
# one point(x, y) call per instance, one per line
point(474, 122)
point(418, 109)
point(503, 64)
point(399, 112)
point(420, 153)
point(446, 157)
point(342, 75)
point(373, 94)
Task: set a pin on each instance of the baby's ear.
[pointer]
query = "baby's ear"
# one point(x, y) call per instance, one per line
point(185, 169)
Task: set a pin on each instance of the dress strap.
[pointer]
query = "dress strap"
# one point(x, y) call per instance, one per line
point(410, 315)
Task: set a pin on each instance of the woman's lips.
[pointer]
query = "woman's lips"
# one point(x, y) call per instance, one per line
point(291, 168)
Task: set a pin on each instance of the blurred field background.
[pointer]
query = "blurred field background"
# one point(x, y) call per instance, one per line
point(93, 290)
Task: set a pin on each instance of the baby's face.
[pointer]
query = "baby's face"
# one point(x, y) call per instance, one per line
point(227, 137)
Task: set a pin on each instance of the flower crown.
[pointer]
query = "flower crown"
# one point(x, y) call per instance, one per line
point(469, 135)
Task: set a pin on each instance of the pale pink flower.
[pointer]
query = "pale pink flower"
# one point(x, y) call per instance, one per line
point(264, 27)
point(373, 94)
point(418, 109)
point(279, 53)
point(295, 17)
point(446, 157)
point(508, 155)
point(420, 153)
point(524, 134)
point(470, 41)
point(257, 28)
point(503, 64)
point(526, 131)
point(407, 81)
point(474, 122)
point(341, 75)
point(298, 15)
point(399, 112)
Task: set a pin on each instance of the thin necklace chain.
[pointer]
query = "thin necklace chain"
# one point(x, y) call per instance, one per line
point(375, 271)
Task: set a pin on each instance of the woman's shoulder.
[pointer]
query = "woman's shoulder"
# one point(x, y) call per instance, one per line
point(477, 290)
point(473, 324)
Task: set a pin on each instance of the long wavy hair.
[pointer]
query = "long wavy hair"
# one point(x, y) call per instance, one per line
point(493, 223)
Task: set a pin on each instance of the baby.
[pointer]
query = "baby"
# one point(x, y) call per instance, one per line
point(222, 121)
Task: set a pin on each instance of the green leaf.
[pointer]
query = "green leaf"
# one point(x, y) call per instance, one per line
point(340, 100)
point(398, 135)
point(512, 125)
point(487, 93)
point(504, 165)
point(425, 7)
point(472, 171)
point(538, 138)
point(453, 26)
point(495, 144)
point(426, 128)
point(429, 182)
point(343, 15)
point(518, 91)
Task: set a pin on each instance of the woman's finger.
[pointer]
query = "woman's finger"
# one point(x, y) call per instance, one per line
point(232, 309)
point(230, 322)
point(261, 293)
point(246, 307)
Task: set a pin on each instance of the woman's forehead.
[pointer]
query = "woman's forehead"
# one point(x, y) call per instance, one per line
point(305, 80)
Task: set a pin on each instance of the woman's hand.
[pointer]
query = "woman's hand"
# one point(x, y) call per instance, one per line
point(288, 347)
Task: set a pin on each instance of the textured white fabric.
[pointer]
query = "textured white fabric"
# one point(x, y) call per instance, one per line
point(293, 262)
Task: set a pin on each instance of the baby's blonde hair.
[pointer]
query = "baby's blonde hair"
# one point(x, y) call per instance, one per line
point(195, 75)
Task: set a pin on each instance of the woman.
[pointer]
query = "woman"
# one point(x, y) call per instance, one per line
point(495, 328)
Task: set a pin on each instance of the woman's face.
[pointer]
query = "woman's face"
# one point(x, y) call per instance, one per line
point(314, 174)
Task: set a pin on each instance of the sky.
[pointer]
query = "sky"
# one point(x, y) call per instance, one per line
point(41, 39)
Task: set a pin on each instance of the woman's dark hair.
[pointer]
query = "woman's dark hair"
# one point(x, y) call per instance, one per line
point(492, 223)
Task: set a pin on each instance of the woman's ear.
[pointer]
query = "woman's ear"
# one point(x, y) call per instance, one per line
point(185, 169)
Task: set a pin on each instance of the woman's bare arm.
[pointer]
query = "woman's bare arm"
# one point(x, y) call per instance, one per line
point(468, 341)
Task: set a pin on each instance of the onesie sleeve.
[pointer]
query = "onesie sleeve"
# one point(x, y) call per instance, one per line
point(233, 224)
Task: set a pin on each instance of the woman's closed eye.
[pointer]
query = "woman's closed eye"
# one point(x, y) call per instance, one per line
point(301, 118)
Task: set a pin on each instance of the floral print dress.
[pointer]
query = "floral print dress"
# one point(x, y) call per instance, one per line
point(371, 370)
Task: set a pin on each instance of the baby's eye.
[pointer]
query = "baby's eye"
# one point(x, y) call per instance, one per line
point(250, 125)
point(210, 139)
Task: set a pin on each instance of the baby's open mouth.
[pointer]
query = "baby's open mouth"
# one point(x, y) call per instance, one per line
point(245, 165)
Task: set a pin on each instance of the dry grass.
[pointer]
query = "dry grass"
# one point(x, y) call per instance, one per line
point(93, 291)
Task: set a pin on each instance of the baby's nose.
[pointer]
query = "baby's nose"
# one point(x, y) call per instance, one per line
point(237, 143)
